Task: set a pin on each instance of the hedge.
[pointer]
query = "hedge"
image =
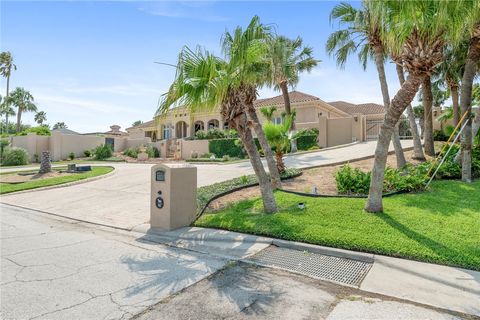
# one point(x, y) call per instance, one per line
point(222, 147)
point(306, 142)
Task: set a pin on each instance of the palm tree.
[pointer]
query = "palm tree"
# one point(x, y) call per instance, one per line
point(6, 67)
point(363, 34)
point(40, 117)
point(6, 110)
point(237, 46)
point(268, 112)
point(415, 31)
point(277, 136)
point(288, 58)
point(417, 142)
point(427, 100)
point(59, 125)
point(206, 82)
point(23, 100)
point(471, 63)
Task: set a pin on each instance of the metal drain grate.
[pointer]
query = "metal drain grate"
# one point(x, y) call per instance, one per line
point(342, 270)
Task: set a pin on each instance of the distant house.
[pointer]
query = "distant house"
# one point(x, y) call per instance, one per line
point(339, 122)
point(64, 131)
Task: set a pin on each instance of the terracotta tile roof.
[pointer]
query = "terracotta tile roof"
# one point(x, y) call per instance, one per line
point(364, 108)
point(295, 97)
point(147, 124)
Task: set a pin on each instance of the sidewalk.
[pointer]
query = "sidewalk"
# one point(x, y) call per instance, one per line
point(435, 285)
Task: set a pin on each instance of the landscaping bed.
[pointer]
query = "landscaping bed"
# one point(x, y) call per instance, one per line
point(440, 226)
point(19, 181)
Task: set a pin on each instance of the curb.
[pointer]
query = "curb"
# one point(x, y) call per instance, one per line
point(64, 184)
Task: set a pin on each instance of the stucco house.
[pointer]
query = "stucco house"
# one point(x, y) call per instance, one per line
point(339, 122)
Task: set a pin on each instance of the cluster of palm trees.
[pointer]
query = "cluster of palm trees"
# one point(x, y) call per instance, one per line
point(253, 57)
point(427, 39)
point(19, 98)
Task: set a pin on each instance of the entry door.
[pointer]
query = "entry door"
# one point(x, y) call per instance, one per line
point(110, 142)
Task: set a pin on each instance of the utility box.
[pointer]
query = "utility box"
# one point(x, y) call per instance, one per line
point(173, 196)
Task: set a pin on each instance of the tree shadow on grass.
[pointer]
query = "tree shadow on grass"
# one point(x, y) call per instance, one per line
point(438, 248)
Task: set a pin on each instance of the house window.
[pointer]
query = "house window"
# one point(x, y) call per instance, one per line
point(167, 131)
point(277, 120)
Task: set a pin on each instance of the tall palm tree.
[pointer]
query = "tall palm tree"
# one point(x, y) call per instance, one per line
point(237, 46)
point(288, 58)
point(6, 67)
point(207, 82)
point(471, 63)
point(40, 117)
point(6, 110)
point(417, 142)
point(23, 100)
point(362, 33)
point(416, 31)
point(427, 100)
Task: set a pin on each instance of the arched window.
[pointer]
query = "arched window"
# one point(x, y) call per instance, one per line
point(212, 124)
point(180, 129)
point(199, 126)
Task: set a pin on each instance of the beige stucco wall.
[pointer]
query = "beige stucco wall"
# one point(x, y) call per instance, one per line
point(33, 144)
point(339, 131)
point(187, 147)
point(61, 145)
point(133, 143)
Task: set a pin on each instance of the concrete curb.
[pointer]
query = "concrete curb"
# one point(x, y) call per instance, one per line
point(65, 184)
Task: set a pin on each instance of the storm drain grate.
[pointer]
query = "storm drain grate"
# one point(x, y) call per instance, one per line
point(342, 270)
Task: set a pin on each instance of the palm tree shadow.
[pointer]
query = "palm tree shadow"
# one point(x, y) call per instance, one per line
point(419, 238)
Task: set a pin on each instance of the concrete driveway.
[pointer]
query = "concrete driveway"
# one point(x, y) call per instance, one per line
point(122, 199)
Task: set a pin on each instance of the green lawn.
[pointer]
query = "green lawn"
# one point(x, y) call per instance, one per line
point(440, 226)
point(96, 171)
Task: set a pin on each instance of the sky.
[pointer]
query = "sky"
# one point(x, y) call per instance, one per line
point(91, 64)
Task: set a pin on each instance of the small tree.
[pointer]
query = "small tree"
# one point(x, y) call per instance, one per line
point(137, 123)
point(40, 117)
point(278, 137)
point(59, 125)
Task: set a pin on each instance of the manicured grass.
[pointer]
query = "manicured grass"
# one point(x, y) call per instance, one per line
point(96, 171)
point(440, 226)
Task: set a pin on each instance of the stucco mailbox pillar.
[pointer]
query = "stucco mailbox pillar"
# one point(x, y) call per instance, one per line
point(173, 196)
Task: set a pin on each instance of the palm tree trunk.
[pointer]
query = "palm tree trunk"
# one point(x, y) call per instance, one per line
point(19, 118)
point(272, 167)
point(417, 142)
point(428, 116)
point(401, 100)
point(288, 111)
point(280, 163)
point(456, 107)
point(379, 62)
point(269, 204)
point(473, 57)
point(6, 97)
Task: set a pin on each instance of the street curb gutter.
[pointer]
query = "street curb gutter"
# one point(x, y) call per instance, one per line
point(328, 251)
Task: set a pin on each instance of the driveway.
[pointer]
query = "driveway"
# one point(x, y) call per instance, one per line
point(122, 200)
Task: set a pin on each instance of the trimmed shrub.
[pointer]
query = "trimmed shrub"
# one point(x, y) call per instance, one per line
point(71, 155)
point(306, 142)
point(40, 130)
point(87, 153)
point(14, 157)
point(222, 147)
point(102, 152)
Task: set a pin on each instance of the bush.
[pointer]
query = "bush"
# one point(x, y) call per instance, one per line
point(222, 147)
point(152, 152)
point(15, 157)
point(305, 142)
point(132, 153)
point(102, 152)
point(307, 132)
point(87, 153)
point(448, 130)
point(3, 145)
point(352, 181)
point(40, 130)
point(71, 155)
point(439, 136)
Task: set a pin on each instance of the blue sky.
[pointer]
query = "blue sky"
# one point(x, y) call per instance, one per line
point(91, 64)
